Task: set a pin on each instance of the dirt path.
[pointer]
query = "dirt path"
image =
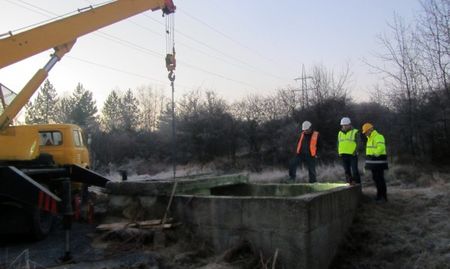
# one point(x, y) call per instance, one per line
point(412, 230)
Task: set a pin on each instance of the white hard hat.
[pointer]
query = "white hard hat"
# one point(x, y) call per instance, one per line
point(306, 125)
point(346, 121)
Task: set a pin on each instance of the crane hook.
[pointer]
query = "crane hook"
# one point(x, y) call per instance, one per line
point(171, 76)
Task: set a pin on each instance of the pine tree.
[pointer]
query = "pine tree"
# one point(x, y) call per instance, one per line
point(111, 113)
point(63, 110)
point(44, 108)
point(82, 107)
point(130, 111)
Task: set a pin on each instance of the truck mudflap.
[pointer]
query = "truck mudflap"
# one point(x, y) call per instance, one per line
point(17, 186)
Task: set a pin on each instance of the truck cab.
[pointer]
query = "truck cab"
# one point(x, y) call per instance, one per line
point(64, 142)
point(61, 144)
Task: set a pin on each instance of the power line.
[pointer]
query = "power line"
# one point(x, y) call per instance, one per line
point(148, 51)
point(44, 12)
point(246, 67)
point(227, 36)
point(116, 39)
point(115, 69)
point(153, 53)
point(35, 11)
point(137, 47)
point(129, 44)
point(202, 43)
point(160, 82)
point(154, 80)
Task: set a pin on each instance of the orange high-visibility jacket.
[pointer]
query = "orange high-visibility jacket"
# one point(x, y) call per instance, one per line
point(312, 143)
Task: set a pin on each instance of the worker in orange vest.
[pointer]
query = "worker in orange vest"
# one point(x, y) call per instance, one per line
point(306, 152)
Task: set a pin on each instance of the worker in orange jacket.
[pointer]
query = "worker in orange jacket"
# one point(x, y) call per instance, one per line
point(306, 152)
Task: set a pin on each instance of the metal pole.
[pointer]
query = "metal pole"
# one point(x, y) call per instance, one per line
point(174, 139)
point(174, 148)
point(67, 218)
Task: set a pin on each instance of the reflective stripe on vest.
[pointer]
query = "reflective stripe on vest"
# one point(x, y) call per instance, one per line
point(347, 142)
point(376, 161)
point(312, 143)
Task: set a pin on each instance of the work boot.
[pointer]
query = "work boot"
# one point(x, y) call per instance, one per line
point(288, 180)
point(348, 179)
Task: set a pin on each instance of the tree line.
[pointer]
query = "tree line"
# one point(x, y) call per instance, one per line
point(411, 106)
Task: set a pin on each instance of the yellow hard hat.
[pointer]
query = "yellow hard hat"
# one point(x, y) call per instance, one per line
point(366, 127)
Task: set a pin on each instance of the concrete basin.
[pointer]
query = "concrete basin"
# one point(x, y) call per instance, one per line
point(305, 223)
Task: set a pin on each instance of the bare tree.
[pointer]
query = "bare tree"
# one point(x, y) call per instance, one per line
point(251, 108)
point(285, 102)
point(403, 79)
point(326, 85)
point(151, 104)
point(434, 39)
point(189, 105)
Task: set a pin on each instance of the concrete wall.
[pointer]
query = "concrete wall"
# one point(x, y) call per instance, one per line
point(140, 200)
point(305, 229)
point(269, 190)
point(305, 222)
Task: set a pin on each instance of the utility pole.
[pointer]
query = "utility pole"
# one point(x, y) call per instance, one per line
point(304, 102)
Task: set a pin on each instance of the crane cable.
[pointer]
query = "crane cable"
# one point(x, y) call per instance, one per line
point(170, 65)
point(170, 46)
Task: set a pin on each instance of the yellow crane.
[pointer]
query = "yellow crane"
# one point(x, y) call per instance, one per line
point(33, 157)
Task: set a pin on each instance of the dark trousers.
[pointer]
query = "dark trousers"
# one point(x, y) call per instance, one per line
point(378, 178)
point(350, 163)
point(309, 161)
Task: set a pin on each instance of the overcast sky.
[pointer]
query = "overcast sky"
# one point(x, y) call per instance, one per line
point(235, 48)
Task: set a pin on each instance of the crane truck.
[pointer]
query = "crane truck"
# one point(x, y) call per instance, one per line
point(35, 160)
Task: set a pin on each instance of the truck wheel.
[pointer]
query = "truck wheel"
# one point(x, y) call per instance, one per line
point(41, 223)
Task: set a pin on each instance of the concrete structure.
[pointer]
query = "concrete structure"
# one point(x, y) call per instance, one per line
point(305, 222)
point(148, 199)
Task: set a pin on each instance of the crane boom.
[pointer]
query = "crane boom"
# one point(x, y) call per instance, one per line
point(61, 35)
point(28, 43)
point(38, 161)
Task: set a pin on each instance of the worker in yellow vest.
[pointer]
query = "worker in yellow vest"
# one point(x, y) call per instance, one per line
point(348, 145)
point(306, 152)
point(376, 159)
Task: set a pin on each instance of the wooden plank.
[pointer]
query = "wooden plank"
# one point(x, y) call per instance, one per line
point(139, 224)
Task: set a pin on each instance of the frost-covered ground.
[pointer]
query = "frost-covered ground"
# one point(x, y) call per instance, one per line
point(412, 230)
point(325, 173)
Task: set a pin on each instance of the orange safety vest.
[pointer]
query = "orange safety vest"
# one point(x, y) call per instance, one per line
point(312, 143)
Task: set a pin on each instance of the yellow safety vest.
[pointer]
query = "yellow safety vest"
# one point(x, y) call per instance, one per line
point(347, 142)
point(375, 144)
